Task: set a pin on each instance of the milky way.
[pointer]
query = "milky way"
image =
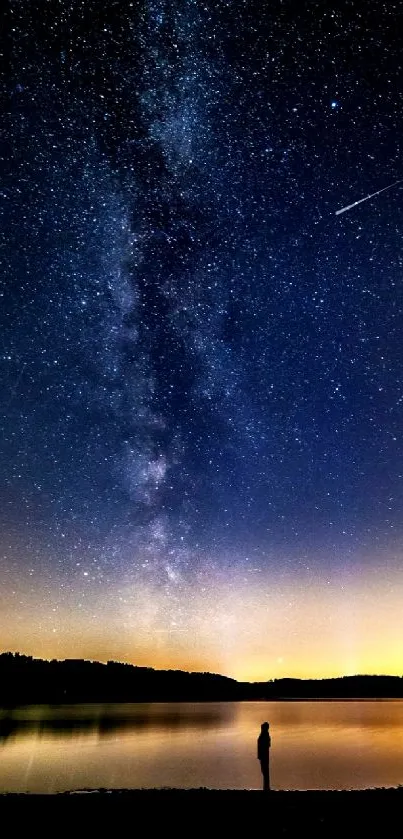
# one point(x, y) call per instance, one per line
point(201, 416)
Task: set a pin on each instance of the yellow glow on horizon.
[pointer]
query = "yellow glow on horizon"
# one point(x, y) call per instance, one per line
point(250, 629)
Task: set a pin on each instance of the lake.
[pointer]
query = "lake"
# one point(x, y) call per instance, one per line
point(315, 745)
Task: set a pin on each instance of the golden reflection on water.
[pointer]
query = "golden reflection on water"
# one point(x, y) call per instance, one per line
point(314, 745)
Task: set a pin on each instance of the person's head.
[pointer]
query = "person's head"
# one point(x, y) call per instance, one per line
point(265, 726)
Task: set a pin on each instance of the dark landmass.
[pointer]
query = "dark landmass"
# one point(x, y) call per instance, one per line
point(26, 680)
point(186, 812)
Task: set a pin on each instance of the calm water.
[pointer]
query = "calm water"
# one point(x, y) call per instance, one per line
point(314, 745)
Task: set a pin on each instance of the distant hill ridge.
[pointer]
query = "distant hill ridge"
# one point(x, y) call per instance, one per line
point(24, 679)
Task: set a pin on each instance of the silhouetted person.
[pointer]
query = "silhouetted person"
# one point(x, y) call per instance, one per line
point(263, 747)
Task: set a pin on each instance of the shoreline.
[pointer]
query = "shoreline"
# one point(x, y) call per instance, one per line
point(136, 791)
point(186, 812)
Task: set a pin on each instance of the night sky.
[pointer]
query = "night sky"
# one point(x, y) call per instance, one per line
point(201, 444)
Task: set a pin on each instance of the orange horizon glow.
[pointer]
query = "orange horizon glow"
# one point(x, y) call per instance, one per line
point(255, 629)
point(171, 664)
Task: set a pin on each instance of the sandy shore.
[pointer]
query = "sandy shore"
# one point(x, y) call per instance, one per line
point(308, 813)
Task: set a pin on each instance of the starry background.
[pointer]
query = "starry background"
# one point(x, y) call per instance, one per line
point(201, 441)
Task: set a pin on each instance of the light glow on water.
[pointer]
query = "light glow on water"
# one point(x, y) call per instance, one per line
point(315, 745)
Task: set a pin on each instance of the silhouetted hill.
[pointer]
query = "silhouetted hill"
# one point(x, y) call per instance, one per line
point(24, 679)
point(345, 687)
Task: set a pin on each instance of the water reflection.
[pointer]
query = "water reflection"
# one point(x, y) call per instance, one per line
point(67, 721)
point(314, 745)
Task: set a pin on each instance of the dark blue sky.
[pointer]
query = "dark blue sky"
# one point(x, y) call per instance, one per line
point(199, 358)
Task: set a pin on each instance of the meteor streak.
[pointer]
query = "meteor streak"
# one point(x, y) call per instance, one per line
point(343, 210)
